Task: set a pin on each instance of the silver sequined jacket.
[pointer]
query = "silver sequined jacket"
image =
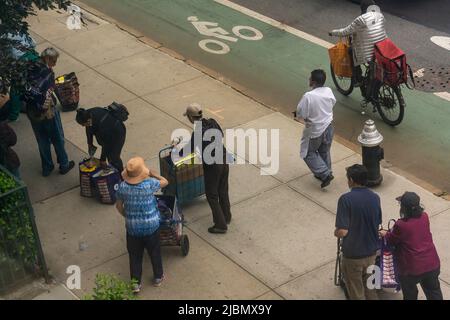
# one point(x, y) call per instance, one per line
point(366, 31)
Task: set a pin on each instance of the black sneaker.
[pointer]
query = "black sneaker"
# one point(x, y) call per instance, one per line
point(216, 230)
point(327, 181)
point(68, 168)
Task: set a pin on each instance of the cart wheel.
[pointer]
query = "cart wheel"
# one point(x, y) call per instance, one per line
point(184, 243)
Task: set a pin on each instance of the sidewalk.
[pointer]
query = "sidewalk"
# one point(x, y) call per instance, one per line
point(280, 244)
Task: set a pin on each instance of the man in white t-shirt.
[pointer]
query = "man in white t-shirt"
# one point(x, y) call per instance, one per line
point(316, 108)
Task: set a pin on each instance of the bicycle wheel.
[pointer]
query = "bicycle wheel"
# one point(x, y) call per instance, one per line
point(390, 104)
point(343, 85)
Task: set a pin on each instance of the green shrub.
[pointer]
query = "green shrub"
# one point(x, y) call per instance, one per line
point(16, 232)
point(109, 287)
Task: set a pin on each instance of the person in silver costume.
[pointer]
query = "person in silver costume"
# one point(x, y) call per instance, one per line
point(365, 31)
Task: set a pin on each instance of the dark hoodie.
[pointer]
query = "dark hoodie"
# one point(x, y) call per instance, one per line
point(206, 125)
point(108, 130)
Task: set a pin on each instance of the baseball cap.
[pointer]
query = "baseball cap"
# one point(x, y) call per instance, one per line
point(193, 110)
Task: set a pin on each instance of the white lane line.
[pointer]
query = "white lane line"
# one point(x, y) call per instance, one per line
point(443, 42)
point(443, 95)
point(275, 23)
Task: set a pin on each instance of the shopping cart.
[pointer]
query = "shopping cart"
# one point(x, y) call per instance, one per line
point(171, 223)
point(185, 176)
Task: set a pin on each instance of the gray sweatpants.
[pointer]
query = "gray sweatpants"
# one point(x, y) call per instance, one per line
point(318, 158)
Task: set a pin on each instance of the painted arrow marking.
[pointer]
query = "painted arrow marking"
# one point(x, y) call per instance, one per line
point(443, 42)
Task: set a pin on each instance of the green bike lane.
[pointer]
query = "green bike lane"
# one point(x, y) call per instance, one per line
point(275, 71)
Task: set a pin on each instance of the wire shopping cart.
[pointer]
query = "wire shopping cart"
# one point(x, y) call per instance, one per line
point(185, 176)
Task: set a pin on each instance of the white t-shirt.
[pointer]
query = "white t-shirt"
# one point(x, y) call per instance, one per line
point(316, 107)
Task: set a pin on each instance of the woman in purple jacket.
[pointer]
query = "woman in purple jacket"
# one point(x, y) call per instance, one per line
point(416, 255)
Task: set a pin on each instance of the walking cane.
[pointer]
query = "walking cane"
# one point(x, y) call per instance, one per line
point(337, 268)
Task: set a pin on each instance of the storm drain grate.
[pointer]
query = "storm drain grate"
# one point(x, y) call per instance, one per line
point(434, 79)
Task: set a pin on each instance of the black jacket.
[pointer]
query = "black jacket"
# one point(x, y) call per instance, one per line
point(195, 145)
point(107, 130)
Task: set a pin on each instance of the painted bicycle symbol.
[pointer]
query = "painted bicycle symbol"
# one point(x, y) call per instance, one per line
point(212, 29)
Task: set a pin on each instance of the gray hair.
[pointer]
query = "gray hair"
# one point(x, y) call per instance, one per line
point(50, 52)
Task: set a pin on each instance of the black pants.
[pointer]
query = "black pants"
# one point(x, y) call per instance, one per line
point(216, 189)
point(136, 246)
point(113, 152)
point(429, 282)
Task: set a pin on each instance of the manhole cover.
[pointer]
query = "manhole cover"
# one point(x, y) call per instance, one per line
point(433, 79)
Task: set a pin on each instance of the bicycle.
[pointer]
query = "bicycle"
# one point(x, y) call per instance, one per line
point(387, 100)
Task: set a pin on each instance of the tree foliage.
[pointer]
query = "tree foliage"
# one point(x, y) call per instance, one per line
point(13, 14)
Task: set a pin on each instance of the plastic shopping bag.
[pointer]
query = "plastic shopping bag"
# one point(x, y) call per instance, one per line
point(388, 266)
point(341, 60)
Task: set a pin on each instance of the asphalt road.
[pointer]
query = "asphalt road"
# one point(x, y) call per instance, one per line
point(434, 14)
point(275, 69)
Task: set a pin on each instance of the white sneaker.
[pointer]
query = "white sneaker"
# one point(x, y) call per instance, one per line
point(157, 282)
point(136, 288)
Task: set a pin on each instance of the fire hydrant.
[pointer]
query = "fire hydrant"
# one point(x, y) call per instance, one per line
point(370, 140)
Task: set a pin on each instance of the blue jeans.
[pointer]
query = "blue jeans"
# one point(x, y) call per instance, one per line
point(48, 132)
point(318, 158)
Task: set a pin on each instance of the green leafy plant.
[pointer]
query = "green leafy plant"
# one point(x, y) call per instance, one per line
point(109, 287)
point(18, 242)
point(17, 238)
point(13, 14)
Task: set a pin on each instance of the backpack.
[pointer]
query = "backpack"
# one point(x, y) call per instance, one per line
point(40, 80)
point(39, 88)
point(118, 111)
point(390, 61)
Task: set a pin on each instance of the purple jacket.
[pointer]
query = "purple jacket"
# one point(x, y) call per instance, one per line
point(414, 248)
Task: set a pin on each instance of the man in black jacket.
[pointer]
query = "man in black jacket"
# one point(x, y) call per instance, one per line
point(109, 131)
point(216, 169)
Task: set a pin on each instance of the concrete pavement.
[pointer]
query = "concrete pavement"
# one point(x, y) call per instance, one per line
point(280, 244)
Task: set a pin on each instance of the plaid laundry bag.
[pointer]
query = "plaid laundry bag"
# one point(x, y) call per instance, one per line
point(388, 265)
point(68, 91)
point(87, 168)
point(106, 184)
